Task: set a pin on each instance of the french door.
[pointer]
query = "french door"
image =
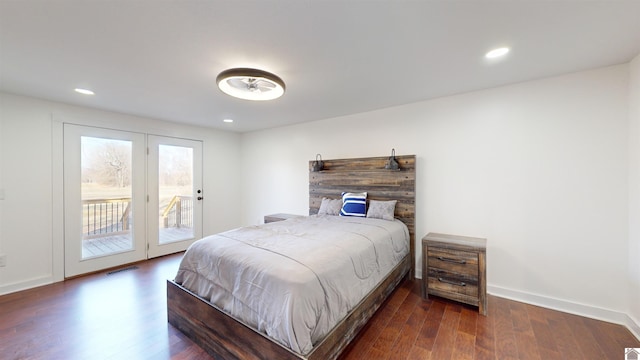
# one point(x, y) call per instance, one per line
point(175, 194)
point(127, 196)
point(104, 198)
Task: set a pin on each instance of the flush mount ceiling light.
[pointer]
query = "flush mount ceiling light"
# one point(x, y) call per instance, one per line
point(497, 53)
point(250, 84)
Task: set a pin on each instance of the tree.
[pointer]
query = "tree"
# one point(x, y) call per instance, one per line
point(106, 161)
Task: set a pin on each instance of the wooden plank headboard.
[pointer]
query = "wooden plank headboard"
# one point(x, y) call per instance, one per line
point(369, 174)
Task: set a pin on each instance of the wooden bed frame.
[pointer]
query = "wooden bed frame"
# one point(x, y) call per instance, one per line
point(224, 337)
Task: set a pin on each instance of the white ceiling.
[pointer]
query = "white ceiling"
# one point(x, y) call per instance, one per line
point(159, 58)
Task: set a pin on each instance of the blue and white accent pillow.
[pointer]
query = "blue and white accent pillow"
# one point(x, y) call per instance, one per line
point(354, 204)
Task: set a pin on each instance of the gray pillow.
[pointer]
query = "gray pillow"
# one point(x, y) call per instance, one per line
point(330, 206)
point(381, 209)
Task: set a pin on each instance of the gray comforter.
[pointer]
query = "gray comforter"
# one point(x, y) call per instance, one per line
point(294, 280)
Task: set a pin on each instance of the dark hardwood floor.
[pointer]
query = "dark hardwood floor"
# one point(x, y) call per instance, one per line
point(123, 316)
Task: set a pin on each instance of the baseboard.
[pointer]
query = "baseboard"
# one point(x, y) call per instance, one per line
point(569, 307)
point(26, 284)
point(633, 325)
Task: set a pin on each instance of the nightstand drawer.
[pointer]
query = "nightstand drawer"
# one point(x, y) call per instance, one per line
point(453, 261)
point(454, 294)
point(454, 283)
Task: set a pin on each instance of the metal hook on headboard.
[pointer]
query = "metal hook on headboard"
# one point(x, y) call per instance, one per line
point(317, 165)
point(392, 164)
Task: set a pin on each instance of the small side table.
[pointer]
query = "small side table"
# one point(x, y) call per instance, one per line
point(454, 267)
point(278, 217)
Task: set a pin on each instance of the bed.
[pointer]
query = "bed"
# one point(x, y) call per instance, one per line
point(190, 302)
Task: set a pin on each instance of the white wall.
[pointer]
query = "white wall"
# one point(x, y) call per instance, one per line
point(634, 193)
point(539, 168)
point(28, 233)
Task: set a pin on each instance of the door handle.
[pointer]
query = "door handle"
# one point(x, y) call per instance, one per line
point(199, 192)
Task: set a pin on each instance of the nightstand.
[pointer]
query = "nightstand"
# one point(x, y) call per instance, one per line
point(278, 217)
point(454, 267)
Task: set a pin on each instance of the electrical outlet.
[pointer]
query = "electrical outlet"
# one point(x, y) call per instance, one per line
point(3, 260)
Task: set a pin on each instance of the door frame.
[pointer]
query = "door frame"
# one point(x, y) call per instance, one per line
point(105, 120)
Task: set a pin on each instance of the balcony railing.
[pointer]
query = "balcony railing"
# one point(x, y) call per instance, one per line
point(106, 216)
point(102, 217)
point(179, 212)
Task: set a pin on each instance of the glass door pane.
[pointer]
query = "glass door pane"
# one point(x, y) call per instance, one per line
point(175, 193)
point(106, 196)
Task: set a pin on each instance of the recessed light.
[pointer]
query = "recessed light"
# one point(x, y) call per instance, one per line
point(228, 120)
point(84, 91)
point(497, 52)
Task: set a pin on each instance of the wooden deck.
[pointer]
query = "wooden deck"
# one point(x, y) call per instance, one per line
point(106, 245)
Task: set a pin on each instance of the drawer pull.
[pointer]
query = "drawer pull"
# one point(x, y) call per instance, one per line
point(458, 283)
point(456, 261)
